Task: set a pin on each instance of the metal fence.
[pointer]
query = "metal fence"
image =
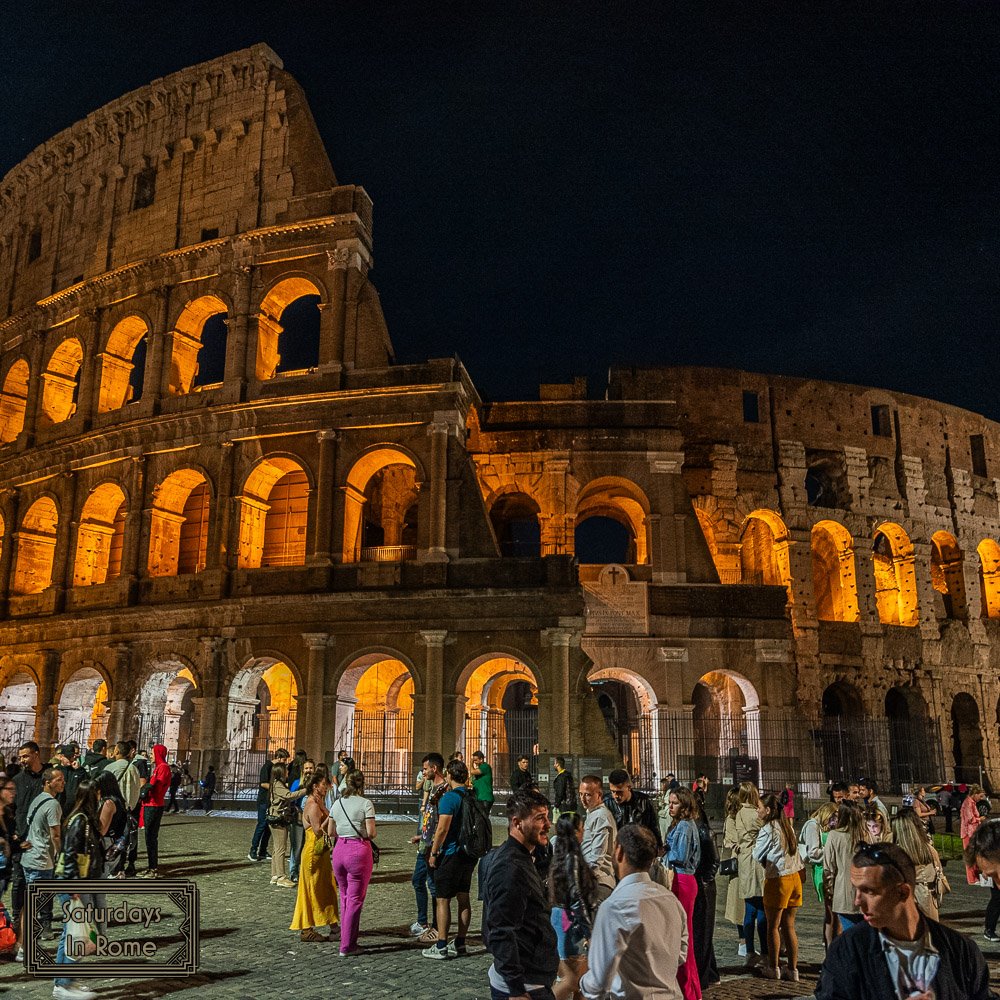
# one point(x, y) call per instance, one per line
point(382, 748)
point(503, 737)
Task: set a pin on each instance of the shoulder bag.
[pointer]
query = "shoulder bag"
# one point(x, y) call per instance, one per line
point(376, 850)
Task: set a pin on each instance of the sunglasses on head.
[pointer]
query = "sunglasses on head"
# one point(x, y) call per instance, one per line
point(880, 856)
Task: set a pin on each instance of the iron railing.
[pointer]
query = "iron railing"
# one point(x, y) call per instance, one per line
point(503, 737)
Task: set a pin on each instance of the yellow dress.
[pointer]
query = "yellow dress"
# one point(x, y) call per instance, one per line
point(316, 903)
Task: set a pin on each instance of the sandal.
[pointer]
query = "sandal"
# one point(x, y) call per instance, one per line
point(310, 934)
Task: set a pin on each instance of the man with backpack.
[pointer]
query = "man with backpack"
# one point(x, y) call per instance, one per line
point(453, 857)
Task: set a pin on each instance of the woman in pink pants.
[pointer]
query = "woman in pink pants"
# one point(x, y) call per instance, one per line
point(352, 819)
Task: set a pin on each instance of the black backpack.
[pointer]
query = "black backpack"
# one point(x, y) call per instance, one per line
point(475, 834)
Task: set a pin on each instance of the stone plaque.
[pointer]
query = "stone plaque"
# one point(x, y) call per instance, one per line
point(615, 604)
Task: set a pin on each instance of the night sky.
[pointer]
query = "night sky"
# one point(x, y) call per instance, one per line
point(800, 188)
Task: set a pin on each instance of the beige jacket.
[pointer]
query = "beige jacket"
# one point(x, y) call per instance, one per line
point(751, 880)
point(837, 854)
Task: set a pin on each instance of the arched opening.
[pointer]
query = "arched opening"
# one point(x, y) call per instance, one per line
point(501, 714)
point(617, 509)
point(375, 719)
point(100, 537)
point(835, 587)
point(725, 564)
point(989, 577)
point(36, 547)
point(83, 708)
point(17, 712)
point(14, 400)
point(764, 557)
point(166, 708)
point(380, 508)
point(825, 484)
point(262, 705)
point(198, 345)
point(895, 582)
point(967, 739)
point(123, 364)
point(914, 742)
point(626, 703)
point(947, 574)
point(178, 535)
point(60, 381)
point(844, 735)
point(274, 511)
point(726, 723)
point(514, 517)
point(288, 329)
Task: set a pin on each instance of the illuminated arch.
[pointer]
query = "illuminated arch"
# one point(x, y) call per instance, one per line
point(269, 322)
point(178, 535)
point(100, 537)
point(725, 719)
point(380, 507)
point(947, 574)
point(118, 362)
point(895, 580)
point(989, 577)
point(619, 500)
point(274, 511)
point(514, 516)
point(167, 707)
point(188, 340)
point(764, 557)
point(14, 400)
point(36, 547)
point(262, 706)
point(835, 587)
point(83, 707)
point(18, 701)
point(60, 381)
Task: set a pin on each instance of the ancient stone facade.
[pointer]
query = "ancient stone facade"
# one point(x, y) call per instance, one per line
point(229, 520)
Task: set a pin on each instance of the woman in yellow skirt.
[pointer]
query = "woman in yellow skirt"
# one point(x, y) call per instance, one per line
point(316, 903)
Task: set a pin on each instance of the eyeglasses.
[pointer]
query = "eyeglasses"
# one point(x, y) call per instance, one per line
point(880, 856)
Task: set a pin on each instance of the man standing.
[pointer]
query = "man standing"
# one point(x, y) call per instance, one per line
point(898, 952)
point(983, 854)
point(598, 834)
point(452, 869)
point(44, 833)
point(261, 833)
point(482, 779)
point(130, 785)
point(96, 759)
point(628, 805)
point(640, 935)
point(563, 790)
point(27, 786)
point(521, 778)
point(69, 764)
point(516, 913)
point(869, 793)
point(947, 806)
point(423, 877)
point(152, 809)
point(208, 789)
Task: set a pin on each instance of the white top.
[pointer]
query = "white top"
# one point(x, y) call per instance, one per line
point(640, 938)
point(358, 809)
point(599, 832)
point(770, 851)
point(912, 964)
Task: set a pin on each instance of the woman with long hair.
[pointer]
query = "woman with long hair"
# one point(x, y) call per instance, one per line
point(316, 902)
point(841, 846)
point(925, 812)
point(751, 872)
point(571, 886)
point(279, 796)
point(704, 902)
point(877, 830)
point(113, 819)
point(970, 819)
point(778, 850)
point(80, 856)
point(910, 834)
point(813, 838)
point(683, 855)
point(735, 907)
point(353, 821)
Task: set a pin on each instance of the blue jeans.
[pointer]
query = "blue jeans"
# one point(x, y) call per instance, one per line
point(423, 879)
point(61, 957)
point(34, 875)
point(261, 833)
point(753, 914)
point(849, 920)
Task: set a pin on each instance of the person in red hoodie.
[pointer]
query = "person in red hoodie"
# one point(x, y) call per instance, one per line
point(152, 809)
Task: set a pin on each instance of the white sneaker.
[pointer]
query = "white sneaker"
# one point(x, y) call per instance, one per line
point(274, 878)
point(791, 975)
point(441, 954)
point(20, 955)
point(417, 928)
point(741, 952)
point(72, 992)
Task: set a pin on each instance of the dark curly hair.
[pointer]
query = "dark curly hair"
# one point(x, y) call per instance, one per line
point(567, 856)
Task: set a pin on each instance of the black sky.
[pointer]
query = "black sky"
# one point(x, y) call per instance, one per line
point(800, 188)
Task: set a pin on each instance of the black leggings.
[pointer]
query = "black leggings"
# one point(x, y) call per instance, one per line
point(993, 910)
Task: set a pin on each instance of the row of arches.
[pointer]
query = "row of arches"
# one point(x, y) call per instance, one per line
point(762, 556)
point(288, 342)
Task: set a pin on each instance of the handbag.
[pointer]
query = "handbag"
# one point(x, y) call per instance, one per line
point(81, 930)
point(661, 874)
point(376, 850)
point(82, 860)
point(730, 868)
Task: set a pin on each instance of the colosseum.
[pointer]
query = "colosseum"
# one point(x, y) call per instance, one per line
point(230, 521)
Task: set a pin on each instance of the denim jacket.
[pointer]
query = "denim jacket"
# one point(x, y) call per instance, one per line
point(683, 847)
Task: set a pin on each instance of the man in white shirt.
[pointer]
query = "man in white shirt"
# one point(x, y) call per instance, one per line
point(640, 935)
point(599, 832)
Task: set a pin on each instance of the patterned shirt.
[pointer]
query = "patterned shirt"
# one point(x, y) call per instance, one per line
point(429, 817)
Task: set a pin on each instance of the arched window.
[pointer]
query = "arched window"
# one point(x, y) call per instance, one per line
point(835, 587)
point(123, 365)
point(764, 551)
point(61, 381)
point(617, 508)
point(36, 547)
point(895, 581)
point(274, 511)
point(514, 517)
point(380, 516)
point(288, 329)
point(989, 577)
point(947, 574)
point(178, 536)
point(197, 358)
point(99, 540)
point(13, 400)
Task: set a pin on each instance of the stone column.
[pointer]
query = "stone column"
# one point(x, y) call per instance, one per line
point(333, 317)
point(133, 542)
point(320, 724)
point(47, 711)
point(556, 521)
point(438, 432)
point(665, 528)
point(238, 333)
point(212, 707)
point(36, 384)
point(323, 539)
point(121, 694)
point(66, 530)
point(558, 737)
point(433, 735)
point(91, 369)
point(221, 544)
point(156, 379)
point(7, 547)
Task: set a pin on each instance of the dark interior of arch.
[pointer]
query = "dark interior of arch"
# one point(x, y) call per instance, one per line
point(212, 356)
point(604, 540)
point(299, 343)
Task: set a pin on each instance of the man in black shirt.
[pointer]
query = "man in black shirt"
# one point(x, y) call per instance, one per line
point(563, 790)
point(261, 833)
point(628, 805)
point(27, 787)
point(516, 912)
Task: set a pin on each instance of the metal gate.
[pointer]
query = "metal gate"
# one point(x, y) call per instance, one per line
point(383, 750)
point(503, 736)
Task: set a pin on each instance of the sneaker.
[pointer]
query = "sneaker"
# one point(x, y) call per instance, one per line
point(19, 957)
point(284, 883)
point(435, 952)
point(457, 950)
point(429, 936)
point(741, 952)
point(753, 960)
point(792, 975)
point(417, 928)
point(991, 937)
point(769, 972)
point(274, 878)
point(252, 857)
point(72, 992)
point(149, 873)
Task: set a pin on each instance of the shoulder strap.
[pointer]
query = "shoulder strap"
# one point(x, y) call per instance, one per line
point(343, 809)
point(32, 815)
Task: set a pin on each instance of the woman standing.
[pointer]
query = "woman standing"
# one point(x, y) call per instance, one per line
point(813, 838)
point(909, 833)
point(778, 850)
point(571, 886)
point(841, 846)
point(663, 807)
point(971, 819)
point(704, 903)
point(353, 822)
point(316, 902)
point(683, 856)
point(735, 907)
point(751, 872)
point(280, 796)
point(877, 830)
point(81, 856)
point(924, 811)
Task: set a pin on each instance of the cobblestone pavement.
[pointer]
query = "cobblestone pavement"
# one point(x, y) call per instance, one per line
point(247, 950)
